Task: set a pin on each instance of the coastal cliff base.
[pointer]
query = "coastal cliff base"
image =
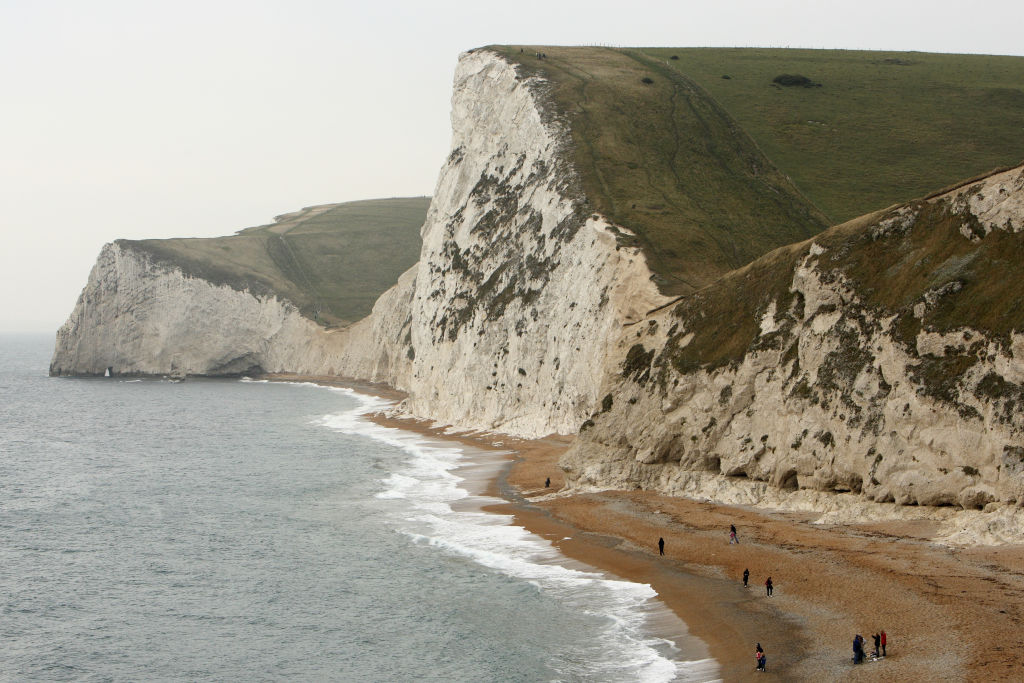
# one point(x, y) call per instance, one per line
point(958, 621)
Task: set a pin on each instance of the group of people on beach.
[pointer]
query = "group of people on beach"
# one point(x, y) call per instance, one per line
point(768, 585)
point(762, 660)
point(858, 647)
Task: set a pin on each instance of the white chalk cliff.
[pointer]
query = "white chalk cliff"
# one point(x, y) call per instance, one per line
point(525, 315)
point(502, 325)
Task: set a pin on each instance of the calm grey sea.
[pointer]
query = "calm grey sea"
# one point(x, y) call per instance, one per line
point(237, 531)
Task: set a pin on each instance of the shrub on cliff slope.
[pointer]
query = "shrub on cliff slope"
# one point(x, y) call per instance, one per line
point(791, 80)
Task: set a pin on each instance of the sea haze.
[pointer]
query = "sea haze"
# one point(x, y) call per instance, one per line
point(225, 530)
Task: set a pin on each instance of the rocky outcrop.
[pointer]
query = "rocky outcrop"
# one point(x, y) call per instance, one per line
point(881, 360)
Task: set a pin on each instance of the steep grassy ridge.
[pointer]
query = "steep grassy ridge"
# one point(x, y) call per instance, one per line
point(661, 158)
point(893, 260)
point(332, 261)
point(882, 128)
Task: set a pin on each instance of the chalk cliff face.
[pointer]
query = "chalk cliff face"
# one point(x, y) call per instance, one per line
point(853, 362)
point(502, 325)
point(137, 316)
point(519, 287)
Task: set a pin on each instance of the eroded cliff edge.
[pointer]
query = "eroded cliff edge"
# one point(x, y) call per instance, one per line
point(880, 362)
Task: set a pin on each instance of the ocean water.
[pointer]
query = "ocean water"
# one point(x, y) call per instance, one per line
point(236, 530)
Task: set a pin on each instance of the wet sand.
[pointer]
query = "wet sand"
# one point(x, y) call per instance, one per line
point(951, 614)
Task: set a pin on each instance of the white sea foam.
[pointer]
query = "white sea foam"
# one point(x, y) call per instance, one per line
point(425, 490)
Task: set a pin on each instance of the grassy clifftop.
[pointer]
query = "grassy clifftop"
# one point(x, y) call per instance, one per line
point(660, 157)
point(332, 261)
point(713, 164)
point(879, 128)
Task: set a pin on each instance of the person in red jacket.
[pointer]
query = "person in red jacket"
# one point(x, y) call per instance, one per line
point(881, 641)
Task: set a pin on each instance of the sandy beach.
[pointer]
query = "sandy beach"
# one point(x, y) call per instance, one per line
point(950, 614)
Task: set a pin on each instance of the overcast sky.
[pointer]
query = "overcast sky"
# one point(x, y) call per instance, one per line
point(157, 119)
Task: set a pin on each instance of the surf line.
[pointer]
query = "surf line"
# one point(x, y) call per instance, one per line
point(441, 487)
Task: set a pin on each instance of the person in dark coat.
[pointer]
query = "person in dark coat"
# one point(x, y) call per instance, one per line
point(547, 482)
point(762, 660)
point(661, 546)
point(878, 641)
point(732, 534)
point(768, 586)
point(746, 575)
point(858, 649)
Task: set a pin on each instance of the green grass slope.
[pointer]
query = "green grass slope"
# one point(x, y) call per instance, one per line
point(880, 128)
point(660, 157)
point(332, 261)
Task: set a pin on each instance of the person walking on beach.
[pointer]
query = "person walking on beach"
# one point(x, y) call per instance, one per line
point(768, 586)
point(547, 482)
point(882, 641)
point(746, 575)
point(762, 660)
point(661, 546)
point(732, 534)
point(878, 641)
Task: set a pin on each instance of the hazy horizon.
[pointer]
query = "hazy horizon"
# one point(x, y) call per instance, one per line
point(196, 119)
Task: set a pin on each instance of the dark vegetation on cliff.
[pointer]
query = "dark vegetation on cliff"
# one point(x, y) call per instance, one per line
point(331, 261)
point(713, 164)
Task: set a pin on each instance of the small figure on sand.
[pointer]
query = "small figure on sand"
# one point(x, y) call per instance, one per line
point(547, 483)
point(746, 577)
point(768, 586)
point(732, 534)
point(858, 649)
point(882, 642)
point(762, 660)
point(661, 546)
point(878, 641)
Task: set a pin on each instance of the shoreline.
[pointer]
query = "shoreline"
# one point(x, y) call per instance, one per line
point(484, 471)
point(950, 613)
point(690, 598)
